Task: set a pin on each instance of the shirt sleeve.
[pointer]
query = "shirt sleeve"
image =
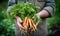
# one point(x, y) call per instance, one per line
point(11, 2)
point(50, 7)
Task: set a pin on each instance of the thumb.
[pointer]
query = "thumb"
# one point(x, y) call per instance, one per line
point(18, 19)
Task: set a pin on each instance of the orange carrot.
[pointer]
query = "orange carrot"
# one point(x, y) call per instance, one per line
point(33, 24)
point(29, 24)
point(25, 23)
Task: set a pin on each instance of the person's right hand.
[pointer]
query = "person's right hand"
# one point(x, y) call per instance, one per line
point(19, 23)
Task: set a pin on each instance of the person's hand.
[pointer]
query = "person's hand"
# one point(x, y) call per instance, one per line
point(19, 23)
point(42, 15)
point(39, 19)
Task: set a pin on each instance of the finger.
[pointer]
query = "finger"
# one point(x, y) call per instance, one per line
point(18, 19)
point(20, 26)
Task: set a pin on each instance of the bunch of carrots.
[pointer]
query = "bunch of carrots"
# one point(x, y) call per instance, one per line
point(29, 25)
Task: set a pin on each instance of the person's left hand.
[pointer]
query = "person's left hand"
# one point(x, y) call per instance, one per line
point(41, 15)
point(38, 22)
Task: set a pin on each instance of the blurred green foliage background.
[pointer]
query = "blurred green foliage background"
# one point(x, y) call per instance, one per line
point(7, 26)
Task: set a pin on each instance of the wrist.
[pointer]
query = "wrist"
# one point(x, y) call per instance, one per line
point(38, 15)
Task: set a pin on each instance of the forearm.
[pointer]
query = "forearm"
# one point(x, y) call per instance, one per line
point(48, 9)
point(43, 14)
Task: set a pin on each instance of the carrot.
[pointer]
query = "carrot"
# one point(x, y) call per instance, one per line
point(29, 24)
point(33, 24)
point(25, 23)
